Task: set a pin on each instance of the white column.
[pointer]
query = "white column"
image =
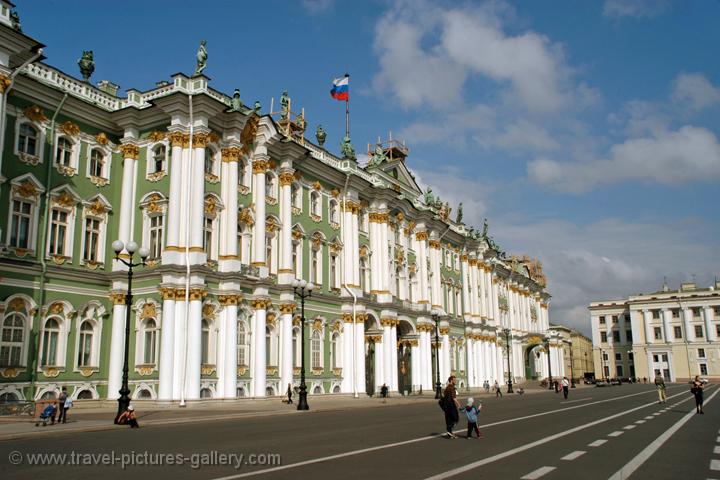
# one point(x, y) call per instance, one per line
point(666, 317)
point(415, 364)
point(194, 346)
point(228, 260)
point(355, 249)
point(376, 266)
point(445, 356)
point(387, 351)
point(470, 361)
point(285, 268)
point(464, 273)
point(421, 249)
point(222, 337)
point(286, 366)
point(393, 357)
point(435, 288)
point(259, 367)
point(347, 352)
point(474, 292)
point(179, 340)
point(710, 331)
point(130, 154)
point(427, 380)
point(178, 140)
point(647, 318)
point(117, 346)
point(689, 330)
point(385, 256)
point(167, 346)
point(481, 292)
point(197, 200)
point(259, 166)
point(380, 363)
point(360, 353)
point(230, 351)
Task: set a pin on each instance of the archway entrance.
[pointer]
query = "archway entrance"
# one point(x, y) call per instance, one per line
point(533, 368)
point(372, 335)
point(405, 336)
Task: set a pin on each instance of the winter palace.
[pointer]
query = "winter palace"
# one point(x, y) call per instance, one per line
point(233, 203)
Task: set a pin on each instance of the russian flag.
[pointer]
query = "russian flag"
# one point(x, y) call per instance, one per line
point(340, 90)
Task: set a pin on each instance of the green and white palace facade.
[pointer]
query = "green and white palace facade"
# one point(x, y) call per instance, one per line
point(234, 204)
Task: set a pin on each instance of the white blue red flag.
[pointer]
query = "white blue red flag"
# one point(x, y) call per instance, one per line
point(341, 90)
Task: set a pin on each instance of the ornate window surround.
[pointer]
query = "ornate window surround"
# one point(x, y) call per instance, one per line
point(39, 146)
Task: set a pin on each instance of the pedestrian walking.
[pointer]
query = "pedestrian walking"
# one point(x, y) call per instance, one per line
point(697, 390)
point(128, 418)
point(498, 392)
point(384, 392)
point(289, 394)
point(660, 385)
point(450, 406)
point(61, 405)
point(68, 405)
point(487, 386)
point(565, 387)
point(472, 412)
point(557, 387)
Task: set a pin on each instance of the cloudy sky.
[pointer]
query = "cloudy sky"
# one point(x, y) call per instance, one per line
point(586, 132)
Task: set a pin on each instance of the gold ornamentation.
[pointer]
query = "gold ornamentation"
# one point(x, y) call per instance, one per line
point(58, 259)
point(9, 372)
point(35, 113)
point(86, 372)
point(378, 217)
point(117, 298)
point(129, 150)
point(16, 304)
point(335, 192)
point(270, 225)
point(316, 241)
point(297, 235)
point(286, 179)
point(167, 293)
point(200, 140)
point(260, 303)
point(434, 244)
point(148, 311)
point(287, 308)
point(247, 137)
point(231, 299)
point(5, 83)
point(56, 308)
point(317, 324)
point(98, 181)
point(337, 372)
point(364, 251)
point(242, 370)
point(145, 370)
point(101, 138)
point(198, 293)
point(210, 205)
point(51, 372)
point(335, 248)
point(153, 205)
point(156, 136)
point(317, 186)
point(260, 166)
point(207, 369)
point(245, 216)
point(421, 236)
point(97, 207)
point(27, 190)
point(230, 154)
point(271, 370)
point(64, 199)
point(180, 139)
point(69, 128)
point(444, 330)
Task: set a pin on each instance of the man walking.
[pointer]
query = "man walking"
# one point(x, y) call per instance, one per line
point(660, 385)
point(451, 406)
point(498, 392)
point(566, 386)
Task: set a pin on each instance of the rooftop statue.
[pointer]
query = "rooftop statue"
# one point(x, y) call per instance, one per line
point(87, 64)
point(284, 105)
point(300, 122)
point(15, 21)
point(485, 228)
point(429, 198)
point(201, 58)
point(378, 156)
point(458, 218)
point(236, 104)
point(257, 107)
point(320, 135)
point(347, 149)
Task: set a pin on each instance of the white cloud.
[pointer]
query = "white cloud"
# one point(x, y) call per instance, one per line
point(521, 135)
point(611, 258)
point(453, 186)
point(634, 8)
point(670, 157)
point(695, 92)
point(316, 7)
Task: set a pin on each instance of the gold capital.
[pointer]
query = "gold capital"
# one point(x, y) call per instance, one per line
point(421, 236)
point(201, 140)
point(4, 82)
point(286, 179)
point(129, 150)
point(179, 139)
point(230, 154)
point(260, 166)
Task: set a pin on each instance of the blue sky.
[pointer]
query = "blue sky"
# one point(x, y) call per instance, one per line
point(586, 132)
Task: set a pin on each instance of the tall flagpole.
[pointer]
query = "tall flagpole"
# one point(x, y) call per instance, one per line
point(347, 109)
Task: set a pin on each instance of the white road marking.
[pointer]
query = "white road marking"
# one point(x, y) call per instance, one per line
point(573, 455)
point(538, 473)
point(597, 443)
point(714, 464)
point(640, 421)
point(649, 417)
point(653, 447)
point(421, 439)
point(656, 414)
point(717, 439)
point(616, 433)
point(717, 450)
point(629, 427)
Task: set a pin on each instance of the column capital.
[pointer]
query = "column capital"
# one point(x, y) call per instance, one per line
point(230, 154)
point(201, 139)
point(198, 293)
point(421, 236)
point(129, 150)
point(229, 299)
point(260, 303)
point(378, 217)
point(287, 308)
point(260, 165)
point(4, 82)
point(434, 244)
point(117, 298)
point(179, 139)
point(286, 178)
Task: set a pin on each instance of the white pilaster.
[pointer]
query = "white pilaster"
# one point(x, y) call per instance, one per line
point(285, 270)
point(117, 349)
point(194, 347)
point(259, 366)
point(167, 347)
point(260, 165)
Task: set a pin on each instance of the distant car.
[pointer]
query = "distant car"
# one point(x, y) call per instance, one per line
point(589, 381)
point(615, 381)
point(600, 383)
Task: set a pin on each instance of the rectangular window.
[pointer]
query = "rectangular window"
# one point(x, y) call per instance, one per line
point(615, 318)
point(696, 312)
point(602, 319)
point(20, 226)
point(156, 235)
point(703, 369)
point(658, 333)
point(656, 314)
point(58, 230)
point(616, 336)
point(619, 370)
point(628, 336)
point(605, 356)
point(699, 331)
point(717, 329)
point(656, 358)
point(678, 332)
point(675, 313)
point(603, 337)
point(631, 356)
point(701, 353)
point(207, 236)
point(92, 240)
point(618, 357)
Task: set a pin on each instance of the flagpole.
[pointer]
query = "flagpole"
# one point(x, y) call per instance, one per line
point(347, 111)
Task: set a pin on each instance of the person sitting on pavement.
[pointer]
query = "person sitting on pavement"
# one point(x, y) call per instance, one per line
point(128, 418)
point(48, 413)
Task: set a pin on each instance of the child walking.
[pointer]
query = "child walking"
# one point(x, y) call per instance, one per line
point(472, 417)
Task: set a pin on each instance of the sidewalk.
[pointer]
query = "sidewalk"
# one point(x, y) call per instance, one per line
point(96, 419)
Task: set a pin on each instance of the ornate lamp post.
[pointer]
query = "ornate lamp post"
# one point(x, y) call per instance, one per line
point(550, 385)
point(131, 247)
point(438, 386)
point(506, 331)
point(302, 290)
point(572, 376)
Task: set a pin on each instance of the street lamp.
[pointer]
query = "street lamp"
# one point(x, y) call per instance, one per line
point(550, 384)
point(131, 247)
point(506, 331)
point(572, 376)
point(436, 316)
point(302, 290)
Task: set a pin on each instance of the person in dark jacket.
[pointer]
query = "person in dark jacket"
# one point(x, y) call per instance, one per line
point(289, 394)
point(697, 390)
point(451, 407)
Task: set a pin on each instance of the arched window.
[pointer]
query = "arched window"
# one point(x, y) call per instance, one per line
point(242, 344)
point(316, 350)
point(149, 341)
point(209, 161)
point(8, 397)
point(51, 338)
point(11, 340)
point(159, 154)
point(296, 195)
point(315, 204)
point(205, 393)
point(63, 154)
point(143, 394)
point(364, 274)
point(334, 353)
point(27, 139)
point(205, 354)
point(268, 346)
point(85, 395)
point(334, 212)
point(97, 162)
point(85, 344)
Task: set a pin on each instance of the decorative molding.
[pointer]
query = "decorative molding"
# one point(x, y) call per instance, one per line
point(35, 113)
point(421, 236)
point(200, 140)
point(102, 138)
point(286, 179)
point(260, 166)
point(207, 369)
point(287, 308)
point(129, 150)
point(179, 139)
